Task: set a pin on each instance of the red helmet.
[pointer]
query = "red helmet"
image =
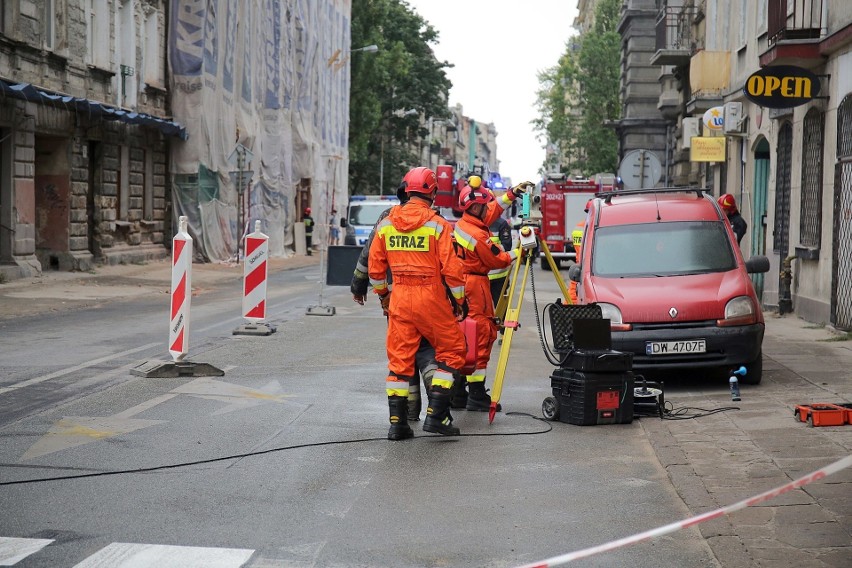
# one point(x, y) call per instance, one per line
point(307, 210)
point(470, 195)
point(420, 180)
point(727, 203)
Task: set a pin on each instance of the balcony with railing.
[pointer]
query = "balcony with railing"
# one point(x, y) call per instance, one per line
point(675, 35)
point(794, 29)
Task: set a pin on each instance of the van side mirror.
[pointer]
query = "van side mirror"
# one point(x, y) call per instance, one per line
point(757, 264)
point(574, 273)
point(343, 222)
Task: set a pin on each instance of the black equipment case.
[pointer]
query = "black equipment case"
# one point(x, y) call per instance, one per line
point(588, 398)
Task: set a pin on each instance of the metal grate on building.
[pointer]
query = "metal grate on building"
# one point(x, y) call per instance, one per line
point(781, 233)
point(841, 272)
point(810, 220)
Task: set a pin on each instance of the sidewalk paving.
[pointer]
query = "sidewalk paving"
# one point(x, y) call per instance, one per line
point(712, 461)
point(55, 291)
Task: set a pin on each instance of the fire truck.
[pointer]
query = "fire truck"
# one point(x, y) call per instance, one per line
point(562, 203)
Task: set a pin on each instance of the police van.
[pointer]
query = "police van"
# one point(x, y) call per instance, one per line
point(362, 214)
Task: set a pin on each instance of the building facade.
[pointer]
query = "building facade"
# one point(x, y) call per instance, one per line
point(790, 169)
point(462, 142)
point(84, 133)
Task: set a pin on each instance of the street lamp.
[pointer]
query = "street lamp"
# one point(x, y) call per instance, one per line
point(338, 64)
point(401, 114)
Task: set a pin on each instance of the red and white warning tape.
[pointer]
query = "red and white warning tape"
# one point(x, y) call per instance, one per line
point(653, 533)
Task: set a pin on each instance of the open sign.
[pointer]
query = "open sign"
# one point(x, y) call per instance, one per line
point(782, 86)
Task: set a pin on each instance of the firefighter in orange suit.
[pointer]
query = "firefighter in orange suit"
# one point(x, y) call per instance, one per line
point(480, 255)
point(577, 240)
point(427, 301)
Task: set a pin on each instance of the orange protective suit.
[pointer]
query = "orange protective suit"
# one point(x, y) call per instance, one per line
point(416, 244)
point(480, 256)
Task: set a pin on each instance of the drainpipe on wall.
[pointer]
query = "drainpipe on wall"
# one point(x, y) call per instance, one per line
point(785, 297)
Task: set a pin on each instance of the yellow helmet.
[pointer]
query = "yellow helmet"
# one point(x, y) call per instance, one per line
point(474, 181)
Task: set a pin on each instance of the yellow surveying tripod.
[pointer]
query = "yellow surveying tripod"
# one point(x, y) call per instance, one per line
point(509, 306)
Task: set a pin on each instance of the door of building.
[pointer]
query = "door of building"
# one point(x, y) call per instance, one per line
point(783, 178)
point(7, 232)
point(760, 191)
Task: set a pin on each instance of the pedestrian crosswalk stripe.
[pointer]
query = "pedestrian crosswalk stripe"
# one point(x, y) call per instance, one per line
point(127, 555)
point(13, 550)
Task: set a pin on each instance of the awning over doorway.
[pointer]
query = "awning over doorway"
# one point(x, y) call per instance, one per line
point(94, 109)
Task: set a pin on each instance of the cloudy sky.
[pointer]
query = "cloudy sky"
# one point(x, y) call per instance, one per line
point(498, 48)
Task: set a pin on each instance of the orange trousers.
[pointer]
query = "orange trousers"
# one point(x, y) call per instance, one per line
point(422, 311)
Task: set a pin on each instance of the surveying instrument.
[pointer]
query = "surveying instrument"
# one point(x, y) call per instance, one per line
point(508, 308)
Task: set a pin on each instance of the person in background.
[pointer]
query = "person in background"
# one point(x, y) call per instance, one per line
point(577, 239)
point(729, 206)
point(333, 229)
point(309, 230)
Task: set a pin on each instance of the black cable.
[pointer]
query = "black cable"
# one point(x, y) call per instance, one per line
point(262, 452)
point(681, 413)
point(549, 355)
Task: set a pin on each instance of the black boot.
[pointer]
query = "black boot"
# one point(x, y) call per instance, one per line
point(458, 394)
point(414, 404)
point(438, 417)
point(399, 428)
point(478, 399)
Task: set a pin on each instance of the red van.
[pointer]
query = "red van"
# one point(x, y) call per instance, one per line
point(665, 267)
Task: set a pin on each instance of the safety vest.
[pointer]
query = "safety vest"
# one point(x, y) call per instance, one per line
point(577, 237)
point(498, 273)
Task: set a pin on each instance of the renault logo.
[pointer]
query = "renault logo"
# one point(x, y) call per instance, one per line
point(673, 312)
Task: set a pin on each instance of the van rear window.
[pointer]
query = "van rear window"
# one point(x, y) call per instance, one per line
point(662, 249)
point(367, 213)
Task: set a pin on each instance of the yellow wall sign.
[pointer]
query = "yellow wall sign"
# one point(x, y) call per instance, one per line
point(707, 149)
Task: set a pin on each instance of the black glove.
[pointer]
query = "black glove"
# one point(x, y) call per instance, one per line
point(522, 188)
point(461, 310)
point(385, 300)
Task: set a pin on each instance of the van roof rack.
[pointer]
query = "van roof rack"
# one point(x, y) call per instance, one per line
point(608, 195)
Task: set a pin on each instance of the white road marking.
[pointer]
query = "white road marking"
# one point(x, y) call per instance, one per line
point(147, 405)
point(69, 370)
point(127, 555)
point(13, 550)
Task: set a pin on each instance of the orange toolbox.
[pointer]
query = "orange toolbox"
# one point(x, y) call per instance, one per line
point(824, 414)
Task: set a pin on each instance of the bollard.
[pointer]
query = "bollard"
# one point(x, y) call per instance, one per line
point(255, 273)
point(181, 292)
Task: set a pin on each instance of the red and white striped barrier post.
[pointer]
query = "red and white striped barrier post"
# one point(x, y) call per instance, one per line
point(255, 273)
point(179, 321)
point(181, 292)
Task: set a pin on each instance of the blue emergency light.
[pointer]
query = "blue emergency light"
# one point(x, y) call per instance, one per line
point(373, 197)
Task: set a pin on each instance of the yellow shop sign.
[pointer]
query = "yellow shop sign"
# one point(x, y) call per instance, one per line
point(707, 149)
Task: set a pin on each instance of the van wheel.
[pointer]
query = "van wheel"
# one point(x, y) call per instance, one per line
point(755, 371)
point(544, 263)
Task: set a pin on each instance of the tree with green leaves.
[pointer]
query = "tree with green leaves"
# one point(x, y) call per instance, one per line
point(578, 96)
point(403, 75)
